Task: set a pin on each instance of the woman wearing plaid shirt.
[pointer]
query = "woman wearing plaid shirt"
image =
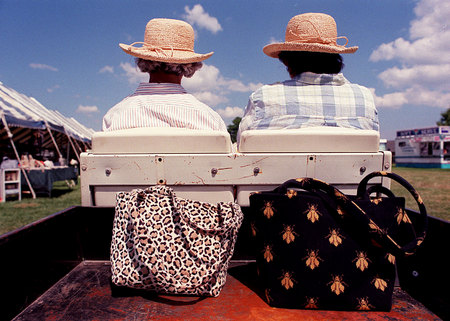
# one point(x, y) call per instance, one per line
point(317, 94)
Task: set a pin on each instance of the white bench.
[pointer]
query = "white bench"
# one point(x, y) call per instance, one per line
point(201, 164)
point(161, 141)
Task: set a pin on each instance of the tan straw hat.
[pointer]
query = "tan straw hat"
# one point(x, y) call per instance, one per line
point(167, 40)
point(314, 32)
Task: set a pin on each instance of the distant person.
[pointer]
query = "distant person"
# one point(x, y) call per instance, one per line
point(317, 94)
point(167, 54)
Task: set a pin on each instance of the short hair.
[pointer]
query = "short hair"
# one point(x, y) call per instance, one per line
point(298, 62)
point(186, 70)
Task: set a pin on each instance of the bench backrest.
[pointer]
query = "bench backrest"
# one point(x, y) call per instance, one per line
point(161, 140)
point(310, 139)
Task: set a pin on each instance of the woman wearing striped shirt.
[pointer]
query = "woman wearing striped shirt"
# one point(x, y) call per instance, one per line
point(167, 55)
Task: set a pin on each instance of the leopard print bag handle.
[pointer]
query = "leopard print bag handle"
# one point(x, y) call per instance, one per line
point(203, 216)
point(226, 216)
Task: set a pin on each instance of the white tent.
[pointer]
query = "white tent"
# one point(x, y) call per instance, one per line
point(22, 116)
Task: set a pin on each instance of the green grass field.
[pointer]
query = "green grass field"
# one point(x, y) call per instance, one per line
point(432, 184)
point(14, 214)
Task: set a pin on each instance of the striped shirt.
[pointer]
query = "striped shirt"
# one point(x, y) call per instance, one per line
point(310, 100)
point(162, 105)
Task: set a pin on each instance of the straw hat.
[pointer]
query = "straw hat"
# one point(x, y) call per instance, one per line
point(167, 40)
point(314, 32)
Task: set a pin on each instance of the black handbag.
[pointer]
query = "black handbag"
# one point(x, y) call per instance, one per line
point(317, 248)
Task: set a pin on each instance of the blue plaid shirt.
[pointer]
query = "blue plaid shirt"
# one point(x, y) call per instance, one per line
point(310, 100)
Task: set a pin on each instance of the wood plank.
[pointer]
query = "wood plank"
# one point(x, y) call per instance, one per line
point(86, 294)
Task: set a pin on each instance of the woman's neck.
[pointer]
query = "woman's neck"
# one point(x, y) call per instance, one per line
point(162, 77)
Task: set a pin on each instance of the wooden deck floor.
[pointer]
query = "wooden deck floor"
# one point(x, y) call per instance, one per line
point(86, 294)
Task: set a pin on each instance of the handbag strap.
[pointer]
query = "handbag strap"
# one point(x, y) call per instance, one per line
point(362, 220)
point(421, 224)
point(230, 213)
point(379, 189)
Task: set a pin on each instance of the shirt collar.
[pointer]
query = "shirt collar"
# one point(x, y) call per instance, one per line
point(310, 78)
point(146, 88)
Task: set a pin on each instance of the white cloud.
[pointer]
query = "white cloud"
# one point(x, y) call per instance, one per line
point(430, 75)
point(107, 69)
point(198, 16)
point(43, 67)
point(421, 77)
point(207, 78)
point(53, 88)
point(433, 17)
point(274, 40)
point(133, 74)
point(392, 100)
point(432, 49)
point(210, 98)
point(210, 87)
point(87, 109)
point(416, 95)
point(429, 34)
point(237, 85)
point(231, 112)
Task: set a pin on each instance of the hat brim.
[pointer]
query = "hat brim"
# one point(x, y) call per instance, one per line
point(274, 49)
point(165, 55)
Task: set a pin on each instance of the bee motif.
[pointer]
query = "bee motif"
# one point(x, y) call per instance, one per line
point(291, 193)
point(379, 283)
point(312, 213)
point(289, 234)
point(337, 285)
point(419, 240)
point(268, 255)
point(253, 229)
point(312, 260)
point(301, 180)
point(340, 211)
point(376, 200)
point(287, 280)
point(362, 262)
point(402, 216)
point(339, 195)
point(363, 304)
point(390, 258)
point(311, 303)
point(419, 199)
point(335, 237)
point(267, 294)
point(268, 210)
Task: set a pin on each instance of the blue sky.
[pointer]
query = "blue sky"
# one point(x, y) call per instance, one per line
point(66, 54)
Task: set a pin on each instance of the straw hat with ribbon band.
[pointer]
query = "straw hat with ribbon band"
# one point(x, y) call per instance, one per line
point(167, 40)
point(314, 32)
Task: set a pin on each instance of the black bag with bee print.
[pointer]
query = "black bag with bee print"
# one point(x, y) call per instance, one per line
point(317, 248)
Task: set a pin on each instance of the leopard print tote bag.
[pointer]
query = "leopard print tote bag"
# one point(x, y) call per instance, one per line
point(172, 245)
